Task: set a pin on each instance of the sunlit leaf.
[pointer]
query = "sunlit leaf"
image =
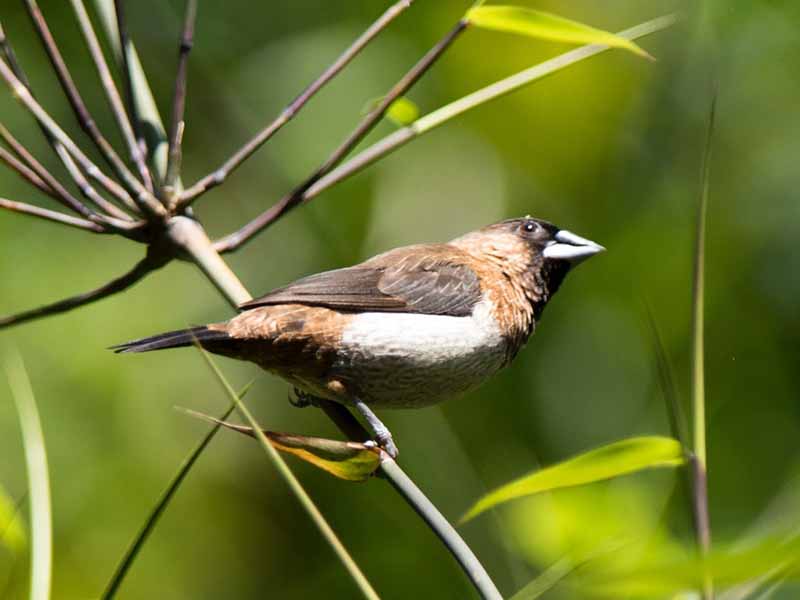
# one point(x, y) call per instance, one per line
point(613, 460)
point(546, 26)
point(12, 531)
point(402, 112)
point(346, 460)
point(727, 567)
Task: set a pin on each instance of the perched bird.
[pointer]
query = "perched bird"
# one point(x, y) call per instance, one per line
point(404, 329)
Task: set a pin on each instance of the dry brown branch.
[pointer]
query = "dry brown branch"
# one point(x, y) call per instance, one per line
point(112, 94)
point(217, 177)
point(292, 199)
point(141, 195)
point(142, 268)
point(50, 215)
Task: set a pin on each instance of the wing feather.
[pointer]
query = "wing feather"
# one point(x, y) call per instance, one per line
point(417, 279)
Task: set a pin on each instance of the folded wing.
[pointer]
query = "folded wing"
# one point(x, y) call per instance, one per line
point(418, 279)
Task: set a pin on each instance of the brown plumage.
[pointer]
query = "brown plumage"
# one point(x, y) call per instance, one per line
point(409, 327)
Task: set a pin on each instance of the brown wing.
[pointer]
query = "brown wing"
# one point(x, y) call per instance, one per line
point(417, 279)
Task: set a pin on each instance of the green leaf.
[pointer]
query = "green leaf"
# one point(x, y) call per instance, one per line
point(662, 578)
point(12, 532)
point(402, 112)
point(613, 460)
point(38, 478)
point(350, 461)
point(136, 545)
point(546, 26)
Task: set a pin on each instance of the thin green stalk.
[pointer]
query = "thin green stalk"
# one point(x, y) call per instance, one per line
point(296, 487)
point(38, 481)
point(496, 90)
point(163, 501)
point(699, 463)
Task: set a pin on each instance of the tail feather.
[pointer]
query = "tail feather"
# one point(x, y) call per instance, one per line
point(172, 339)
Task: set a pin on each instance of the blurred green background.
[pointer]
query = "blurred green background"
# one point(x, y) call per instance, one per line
point(610, 149)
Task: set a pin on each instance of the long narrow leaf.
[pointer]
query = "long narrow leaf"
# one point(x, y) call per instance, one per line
point(305, 500)
point(613, 460)
point(546, 26)
point(38, 480)
point(350, 461)
point(161, 504)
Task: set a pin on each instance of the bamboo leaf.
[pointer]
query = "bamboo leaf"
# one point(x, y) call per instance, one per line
point(350, 461)
point(12, 531)
point(546, 26)
point(613, 460)
point(38, 480)
point(161, 504)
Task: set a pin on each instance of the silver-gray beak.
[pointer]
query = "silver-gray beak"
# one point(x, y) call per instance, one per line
point(573, 248)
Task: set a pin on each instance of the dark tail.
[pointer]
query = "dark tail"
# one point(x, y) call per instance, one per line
point(172, 339)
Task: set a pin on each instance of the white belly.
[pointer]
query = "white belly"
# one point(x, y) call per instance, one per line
point(411, 360)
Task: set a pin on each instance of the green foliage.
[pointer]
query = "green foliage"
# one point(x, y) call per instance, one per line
point(613, 460)
point(546, 26)
point(38, 478)
point(12, 531)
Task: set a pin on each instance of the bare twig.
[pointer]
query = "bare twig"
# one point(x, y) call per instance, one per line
point(50, 215)
point(126, 50)
point(114, 99)
point(24, 96)
point(179, 101)
point(217, 177)
point(146, 201)
point(26, 173)
point(439, 117)
point(59, 192)
point(77, 175)
point(293, 198)
point(142, 268)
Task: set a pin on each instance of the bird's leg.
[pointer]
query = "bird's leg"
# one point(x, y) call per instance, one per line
point(300, 399)
point(382, 434)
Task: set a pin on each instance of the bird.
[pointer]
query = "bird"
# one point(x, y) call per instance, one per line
point(407, 328)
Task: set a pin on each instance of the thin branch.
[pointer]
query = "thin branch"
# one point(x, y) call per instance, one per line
point(126, 48)
point(179, 98)
point(143, 267)
point(77, 175)
point(25, 172)
point(59, 192)
point(405, 486)
point(295, 197)
point(217, 177)
point(496, 90)
point(112, 94)
point(22, 94)
point(50, 215)
point(146, 201)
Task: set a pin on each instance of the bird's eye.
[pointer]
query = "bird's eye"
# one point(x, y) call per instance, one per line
point(530, 226)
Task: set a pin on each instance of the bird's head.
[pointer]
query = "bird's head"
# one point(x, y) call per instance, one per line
point(535, 253)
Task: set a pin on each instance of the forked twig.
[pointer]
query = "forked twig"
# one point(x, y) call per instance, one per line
point(235, 240)
point(179, 99)
point(74, 171)
point(22, 94)
point(141, 195)
point(217, 177)
point(143, 267)
point(112, 94)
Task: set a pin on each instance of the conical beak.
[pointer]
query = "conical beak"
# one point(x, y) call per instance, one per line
point(570, 247)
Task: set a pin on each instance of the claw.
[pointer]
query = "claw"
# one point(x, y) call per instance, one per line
point(301, 399)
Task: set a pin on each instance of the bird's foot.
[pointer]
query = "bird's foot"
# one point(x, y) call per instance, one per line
point(383, 436)
point(300, 399)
